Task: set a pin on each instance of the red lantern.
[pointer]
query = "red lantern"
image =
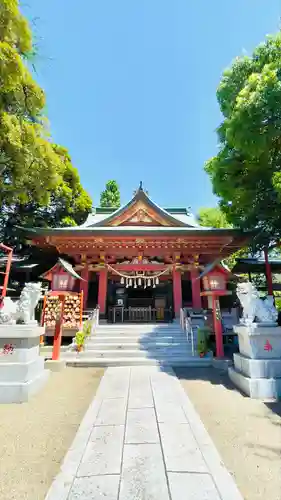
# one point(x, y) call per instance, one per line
point(214, 281)
point(62, 281)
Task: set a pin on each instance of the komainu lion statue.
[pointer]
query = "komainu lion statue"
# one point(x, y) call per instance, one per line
point(254, 308)
point(23, 310)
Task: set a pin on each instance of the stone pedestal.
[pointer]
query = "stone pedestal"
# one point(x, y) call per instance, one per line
point(257, 368)
point(22, 371)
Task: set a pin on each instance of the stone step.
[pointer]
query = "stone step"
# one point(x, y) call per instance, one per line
point(128, 333)
point(144, 327)
point(121, 361)
point(146, 339)
point(140, 325)
point(136, 345)
point(132, 353)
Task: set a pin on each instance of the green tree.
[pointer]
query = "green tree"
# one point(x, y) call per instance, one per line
point(37, 177)
point(246, 173)
point(110, 197)
point(214, 217)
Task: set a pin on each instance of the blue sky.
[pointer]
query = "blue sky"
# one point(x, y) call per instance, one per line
point(131, 86)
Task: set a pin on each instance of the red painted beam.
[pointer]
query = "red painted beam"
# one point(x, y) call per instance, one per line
point(140, 267)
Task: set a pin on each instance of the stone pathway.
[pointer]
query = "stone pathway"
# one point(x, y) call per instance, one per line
point(141, 439)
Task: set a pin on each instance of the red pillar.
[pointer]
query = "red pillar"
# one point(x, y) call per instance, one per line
point(84, 285)
point(268, 274)
point(177, 291)
point(58, 331)
point(218, 327)
point(196, 288)
point(102, 291)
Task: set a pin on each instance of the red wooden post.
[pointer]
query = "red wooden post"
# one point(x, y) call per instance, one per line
point(268, 273)
point(177, 290)
point(7, 271)
point(43, 319)
point(217, 327)
point(84, 285)
point(196, 288)
point(58, 331)
point(102, 291)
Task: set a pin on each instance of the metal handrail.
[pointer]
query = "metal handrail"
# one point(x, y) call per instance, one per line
point(186, 325)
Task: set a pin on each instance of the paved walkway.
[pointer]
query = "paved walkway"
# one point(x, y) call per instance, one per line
point(141, 439)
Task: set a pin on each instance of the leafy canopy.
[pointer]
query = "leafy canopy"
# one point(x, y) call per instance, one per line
point(38, 183)
point(214, 217)
point(110, 197)
point(246, 173)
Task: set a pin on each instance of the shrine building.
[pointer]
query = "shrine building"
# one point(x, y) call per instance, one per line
point(140, 261)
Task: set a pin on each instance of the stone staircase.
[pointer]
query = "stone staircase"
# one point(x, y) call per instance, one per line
point(137, 344)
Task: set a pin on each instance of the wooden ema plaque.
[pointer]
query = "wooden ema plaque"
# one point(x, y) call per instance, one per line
point(72, 309)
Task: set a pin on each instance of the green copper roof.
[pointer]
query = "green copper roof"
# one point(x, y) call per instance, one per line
point(133, 230)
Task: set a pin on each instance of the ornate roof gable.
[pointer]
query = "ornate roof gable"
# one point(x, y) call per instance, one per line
point(140, 211)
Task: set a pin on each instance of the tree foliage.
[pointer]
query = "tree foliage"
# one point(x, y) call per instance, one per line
point(38, 183)
point(110, 197)
point(214, 217)
point(246, 173)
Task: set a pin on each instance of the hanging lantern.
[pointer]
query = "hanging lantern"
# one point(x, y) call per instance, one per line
point(148, 282)
point(139, 281)
point(127, 283)
point(135, 283)
point(122, 281)
point(157, 280)
point(144, 286)
point(130, 282)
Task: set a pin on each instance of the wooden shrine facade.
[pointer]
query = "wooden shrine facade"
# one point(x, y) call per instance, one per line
point(140, 254)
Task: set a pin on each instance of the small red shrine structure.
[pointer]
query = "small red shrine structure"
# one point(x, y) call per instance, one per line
point(140, 255)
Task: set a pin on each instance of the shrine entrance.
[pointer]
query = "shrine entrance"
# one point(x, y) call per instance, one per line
point(140, 304)
point(140, 297)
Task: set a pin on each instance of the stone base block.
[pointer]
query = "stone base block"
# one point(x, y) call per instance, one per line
point(256, 388)
point(55, 366)
point(259, 341)
point(257, 368)
point(21, 372)
point(20, 392)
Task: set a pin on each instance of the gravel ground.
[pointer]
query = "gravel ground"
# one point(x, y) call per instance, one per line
point(35, 436)
point(246, 432)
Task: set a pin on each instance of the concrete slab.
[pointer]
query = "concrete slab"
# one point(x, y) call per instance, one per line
point(112, 412)
point(192, 487)
point(143, 473)
point(141, 426)
point(103, 451)
point(170, 413)
point(181, 452)
point(94, 487)
point(140, 395)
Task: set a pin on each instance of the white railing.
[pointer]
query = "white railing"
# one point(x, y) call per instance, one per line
point(186, 325)
point(94, 318)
